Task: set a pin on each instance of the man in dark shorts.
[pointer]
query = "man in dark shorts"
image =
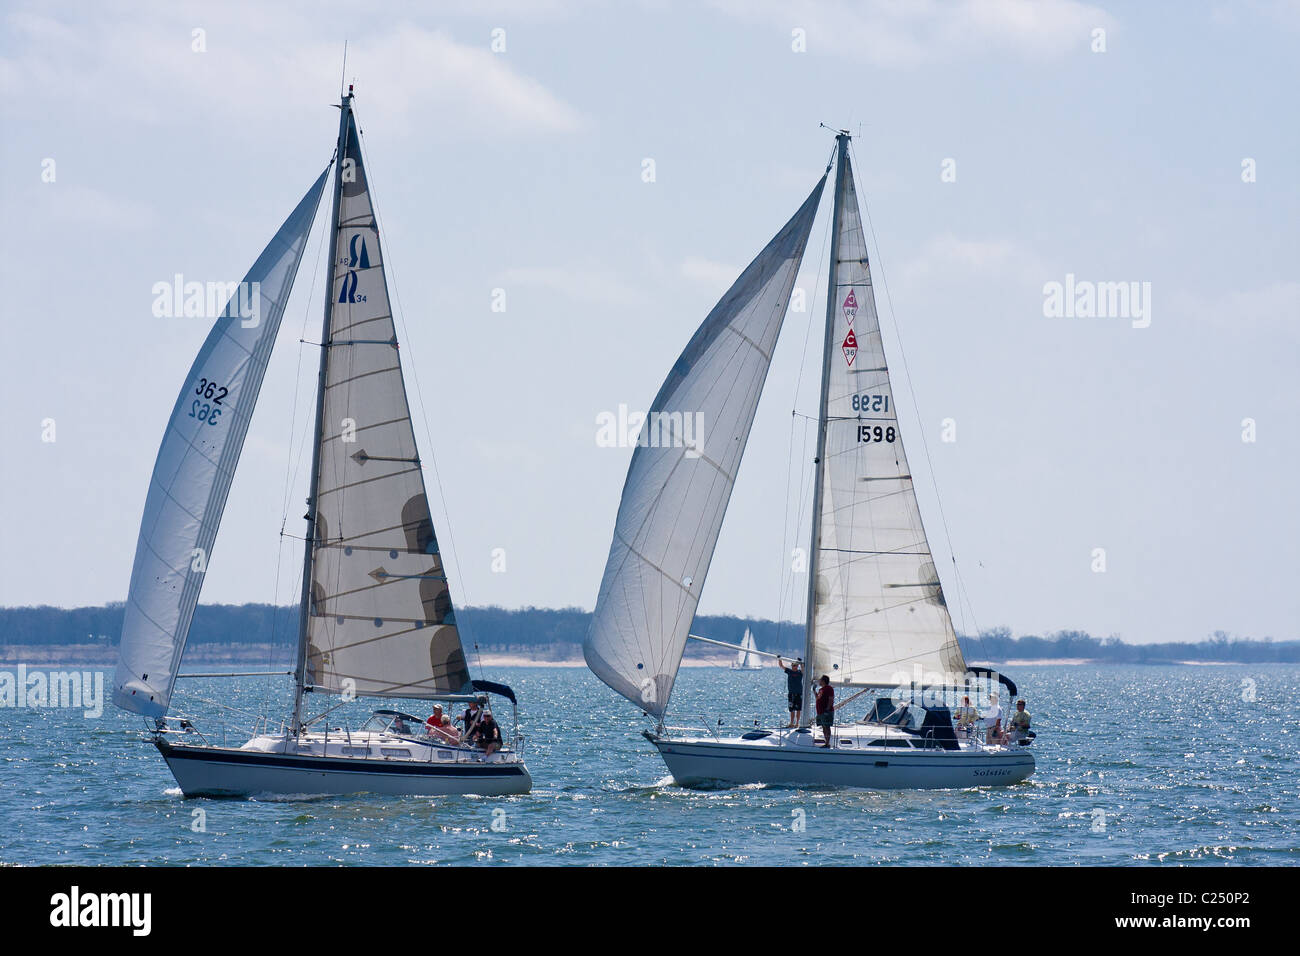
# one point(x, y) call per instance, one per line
point(488, 735)
point(825, 707)
point(794, 689)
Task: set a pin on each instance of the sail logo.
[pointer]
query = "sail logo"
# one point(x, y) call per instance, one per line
point(850, 307)
point(1084, 299)
point(70, 690)
point(348, 292)
point(850, 347)
point(75, 908)
point(625, 429)
point(358, 259)
point(208, 300)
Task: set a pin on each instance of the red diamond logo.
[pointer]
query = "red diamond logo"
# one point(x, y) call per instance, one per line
point(851, 307)
point(850, 346)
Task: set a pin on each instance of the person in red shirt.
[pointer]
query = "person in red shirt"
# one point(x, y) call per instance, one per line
point(825, 707)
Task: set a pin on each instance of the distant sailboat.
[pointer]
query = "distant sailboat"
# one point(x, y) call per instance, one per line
point(876, 612)
point(376, 616)
point(746, 658)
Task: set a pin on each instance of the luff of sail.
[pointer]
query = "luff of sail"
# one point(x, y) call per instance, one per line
point(381, 621)
point(880, 612)
point(675, 496)
point(196, 463)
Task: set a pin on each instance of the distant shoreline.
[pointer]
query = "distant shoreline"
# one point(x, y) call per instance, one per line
point(265, 656)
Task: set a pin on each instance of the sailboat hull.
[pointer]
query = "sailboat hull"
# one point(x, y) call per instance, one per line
point(792, 759)
point(238, 772)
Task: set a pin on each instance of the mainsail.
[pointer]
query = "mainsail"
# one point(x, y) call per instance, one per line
point(879, 608)
point(379, 614)
point(676, 492)
point(196, 463)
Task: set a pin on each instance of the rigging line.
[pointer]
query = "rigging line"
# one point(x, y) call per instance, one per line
point(424, 410)
point(790, 458)
point(925, 445)
point(289, 461)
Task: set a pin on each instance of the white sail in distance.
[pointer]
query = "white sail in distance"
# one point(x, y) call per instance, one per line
point(196, 463)
point(879, 609)
point(675, 495)
point(747, 658)
point(381, 621)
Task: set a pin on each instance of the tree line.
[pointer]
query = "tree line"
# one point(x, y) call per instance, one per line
point(516, 630)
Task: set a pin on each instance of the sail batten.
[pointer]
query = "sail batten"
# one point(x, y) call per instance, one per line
point(676, 493)
point(194, 469)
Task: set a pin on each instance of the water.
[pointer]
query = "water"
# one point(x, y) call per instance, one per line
point(1136, 765)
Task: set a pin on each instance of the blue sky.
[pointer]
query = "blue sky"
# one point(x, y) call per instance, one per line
point(522, 170)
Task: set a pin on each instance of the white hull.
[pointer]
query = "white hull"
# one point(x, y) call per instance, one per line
point(792, 758)
point(311, 766)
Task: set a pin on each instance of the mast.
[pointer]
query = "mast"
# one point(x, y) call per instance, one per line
point(304, 617)
point(842, 158)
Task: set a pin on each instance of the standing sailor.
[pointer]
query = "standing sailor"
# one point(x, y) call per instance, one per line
point(794, 689)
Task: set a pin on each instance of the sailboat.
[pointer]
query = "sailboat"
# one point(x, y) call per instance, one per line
point(876, 615)
point(747, 658)
point(376, 618)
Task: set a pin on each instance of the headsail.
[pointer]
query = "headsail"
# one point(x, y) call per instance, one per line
point(880, 610)
point(380, 614)
point(195, 466)
point(676, 494)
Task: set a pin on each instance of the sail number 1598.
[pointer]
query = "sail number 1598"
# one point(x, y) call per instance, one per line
point(872, 433)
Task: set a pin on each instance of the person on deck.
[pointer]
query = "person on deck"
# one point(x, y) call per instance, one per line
point(966, 716)
point(793, 689)
point(488, 735)
point(469, 721)
point(993, 721)
point(1018, 725)
point(434, 723)
point(825, 708)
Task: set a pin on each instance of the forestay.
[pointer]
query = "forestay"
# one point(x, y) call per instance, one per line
point(880, 610)
point(676, 491)
point(196, 463)
point(381, 618)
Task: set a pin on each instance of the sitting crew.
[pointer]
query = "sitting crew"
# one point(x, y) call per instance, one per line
point(449, 731)
point(1018, 725)
point(993, 721)
point(488, 734)
point(966, 716)
point(434, 723)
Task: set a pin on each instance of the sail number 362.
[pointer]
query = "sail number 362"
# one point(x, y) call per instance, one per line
point(208, 411)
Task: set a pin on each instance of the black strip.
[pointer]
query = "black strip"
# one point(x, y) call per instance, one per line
point(358, 765)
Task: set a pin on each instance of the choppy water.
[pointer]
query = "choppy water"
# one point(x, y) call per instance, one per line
point(1136, 765)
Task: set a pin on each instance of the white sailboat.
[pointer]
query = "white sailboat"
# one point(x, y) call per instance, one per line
point(376, 616)
point(876, 615)
point(747, 658)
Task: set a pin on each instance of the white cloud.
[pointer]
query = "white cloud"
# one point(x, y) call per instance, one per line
point(581, 284)
point(85, 206)
point(947, 255)
point(406, 75)
point(913, 32)
point(1272, 309)
point(720, 275)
